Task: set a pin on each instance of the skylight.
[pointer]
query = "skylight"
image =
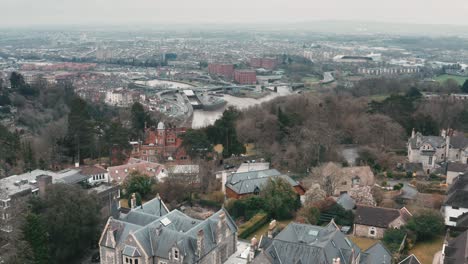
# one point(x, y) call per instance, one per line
point(165, 221)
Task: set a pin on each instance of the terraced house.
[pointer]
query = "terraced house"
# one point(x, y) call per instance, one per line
point(152, 234)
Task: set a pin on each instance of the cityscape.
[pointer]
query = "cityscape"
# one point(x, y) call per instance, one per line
point(267, 138)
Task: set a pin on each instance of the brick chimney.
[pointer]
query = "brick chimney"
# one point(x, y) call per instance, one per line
point(252, 249)
point(221, 226)
point(271, 228)
point(43, 181)
point(336, 261)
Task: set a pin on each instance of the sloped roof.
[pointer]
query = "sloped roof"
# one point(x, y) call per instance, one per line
point(308, 244)
point(457, 193)
point(457, 167)
point(247, 182)
point(375, 216)
point(456, 252)
point(434, 141)
point(459, 142)
point(157, 231)
point(91, 170)
point(346, 201)
point(411, 259)
point(379, 254)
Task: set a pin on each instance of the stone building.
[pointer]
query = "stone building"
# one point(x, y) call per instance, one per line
point(373, 221)
point(152, 234)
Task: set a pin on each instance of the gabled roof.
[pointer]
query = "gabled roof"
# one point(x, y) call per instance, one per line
point(157, 231)
point(308, 244)
point(456, 252)
point(411, 259)
point(459, 142)
point(378, 254)
point(419, 140)
point(92, 170)
point(457, 167)
point(377, 216)
point(247, 182)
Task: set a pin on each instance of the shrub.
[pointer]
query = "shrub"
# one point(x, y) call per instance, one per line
point(426, 225)
point(398, 186)
point(252, 225)
point(392, 238)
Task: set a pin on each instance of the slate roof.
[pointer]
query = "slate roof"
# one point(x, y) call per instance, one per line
point(91, 170)
point(378, 254)
point(308, 244)
point(459, 142)
point(377, 216)
point(346, 201)
point(457, 193)
point(247, 182)
point(434, 141)
point(158, 233)
point(456, 252)
point(411, 259)
point(457, 167)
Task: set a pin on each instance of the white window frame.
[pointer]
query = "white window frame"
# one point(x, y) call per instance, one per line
point(372, 229)
point(175, 254)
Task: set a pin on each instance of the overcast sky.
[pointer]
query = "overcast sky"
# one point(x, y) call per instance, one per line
point(53, 12)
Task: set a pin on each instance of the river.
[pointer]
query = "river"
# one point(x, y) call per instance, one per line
point(203, 118)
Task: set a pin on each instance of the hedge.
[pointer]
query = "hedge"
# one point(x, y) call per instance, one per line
point(253, 225)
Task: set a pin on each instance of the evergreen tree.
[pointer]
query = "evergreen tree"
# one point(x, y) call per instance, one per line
point(80, 136)
point(464, 87)
point(35, 233)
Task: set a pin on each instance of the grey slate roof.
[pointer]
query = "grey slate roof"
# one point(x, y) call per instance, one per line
point(375, 216)
point(157, 234)
point(457, 167)
point(457, 193)
point(346, 201)
point(459, 142)
point(378, 254)
point(308, 244)
point(456, 252)
point(247, 182)
point(434, 141)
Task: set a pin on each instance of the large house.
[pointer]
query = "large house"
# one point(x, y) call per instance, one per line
point(161, 144)
point(372, 221)
point(118, 174)
point(152, 234)
point(242, 184)
point(309, 244)
point(455, 207)
point(431, 150)
point(346, 178)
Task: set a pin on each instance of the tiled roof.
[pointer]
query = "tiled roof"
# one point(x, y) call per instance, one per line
point(247, 182)
point(456, 252)
point(379, 254)
point(411, 259)
point(91, 170)
point(457, 193)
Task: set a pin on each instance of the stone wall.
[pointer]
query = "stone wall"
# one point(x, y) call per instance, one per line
point(363, 231)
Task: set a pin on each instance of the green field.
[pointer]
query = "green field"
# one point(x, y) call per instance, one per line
point(311, 79)
point(444, 77)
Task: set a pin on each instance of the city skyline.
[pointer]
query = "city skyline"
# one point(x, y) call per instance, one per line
point(107, 12)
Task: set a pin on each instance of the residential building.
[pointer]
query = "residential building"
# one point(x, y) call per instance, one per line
point(187, 174)
point(309, 244)
point(96, 174)
point(456, 202)
point(118, 174)
point(153, 234)
point(35, 183)
point(455, 251)
point(243, 184)
point(253, 166)
point(431, 150)
point(161, 144)
point(245, 76)
point(372, 221)
point(265, 63)
point(346, 178)
point(454, 170)
point(225, 70)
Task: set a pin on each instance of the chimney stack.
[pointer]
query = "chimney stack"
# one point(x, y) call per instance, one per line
point(133, 201)
point(271, 228)
point(336, 261)
point(413, 133)
point(252, 249)
point(43, 181)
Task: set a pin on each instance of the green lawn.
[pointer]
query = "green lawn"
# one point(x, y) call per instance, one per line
point(264, 229)
point(444, 77)
point(311, 79)
point(425, 251)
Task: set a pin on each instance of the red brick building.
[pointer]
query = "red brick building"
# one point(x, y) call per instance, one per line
point(266, 63)
point(225, 70)
point(161, 144)
point(245, 76)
